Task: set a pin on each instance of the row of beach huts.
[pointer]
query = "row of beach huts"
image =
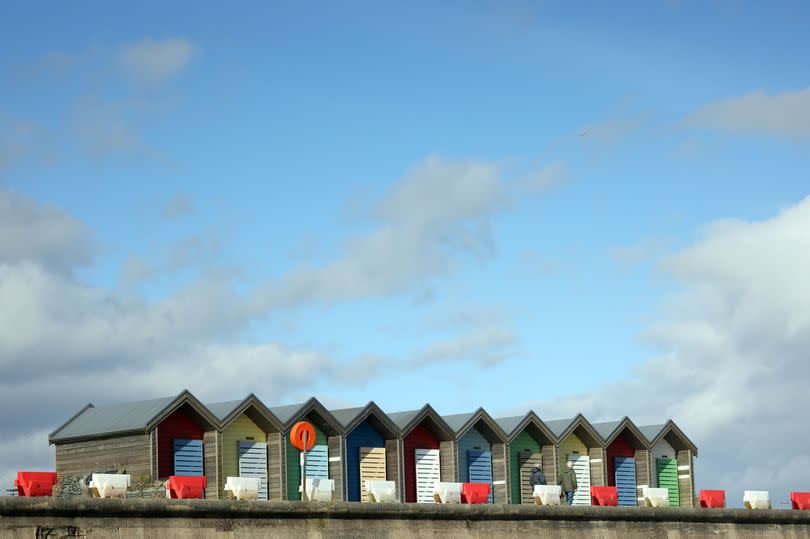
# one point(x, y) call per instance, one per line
point(412, 451)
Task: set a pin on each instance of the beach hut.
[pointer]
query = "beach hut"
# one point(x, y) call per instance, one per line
point(672, 456)
point(428, 452)
point(579, 442)
point(150, 439)
point(481, 452)
point(530, 443)
point(628, 458)
point(371, 449)
point(245, 426)
point(324, 460)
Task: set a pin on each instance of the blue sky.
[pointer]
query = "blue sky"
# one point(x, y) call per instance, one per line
point(463, 203)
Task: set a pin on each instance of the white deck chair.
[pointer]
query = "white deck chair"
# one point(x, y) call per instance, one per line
point(447, 492)
point(242, 488)
point(319, 490)
point(105, 485)
point(381, 491)
point(547, 494)
point(757, 499)
point(655, 497)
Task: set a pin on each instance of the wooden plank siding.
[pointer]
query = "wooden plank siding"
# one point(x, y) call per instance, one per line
point(448, 461)
point(211, 456)
point(275, 467)
point(598, 459)
point(550, 459)
point(643, 475)
point(335, 444)
point(500, 479)
point(131, 453)
point(392, 465)
point(153, 452)
point(686, 478)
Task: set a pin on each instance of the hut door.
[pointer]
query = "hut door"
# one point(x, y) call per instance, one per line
point(582, 468)
point(372, 467)
point(527, 462)
point(188, 457)
point(481, 468)
point(427, 473)
point(668, 479)
point(626, 480)
point(253, 463)
point(318, 462)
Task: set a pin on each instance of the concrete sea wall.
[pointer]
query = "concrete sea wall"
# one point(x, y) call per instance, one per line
point(181, 519)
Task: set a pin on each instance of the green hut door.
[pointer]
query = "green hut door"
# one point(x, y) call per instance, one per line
point(668, 479)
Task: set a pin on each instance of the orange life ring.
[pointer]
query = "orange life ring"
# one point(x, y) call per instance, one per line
point(297, 435)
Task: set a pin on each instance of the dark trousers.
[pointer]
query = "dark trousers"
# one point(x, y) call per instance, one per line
point(569, 498)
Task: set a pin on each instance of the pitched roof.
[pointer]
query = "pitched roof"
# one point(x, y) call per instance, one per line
point(346, 415)
point(402, 419)
point(509, 424)
point(115, 418)
point(650, 431)
point(313, 408)
point(457, 421)
point(405, 421)
point(287, 412)
point(223, 409)
point(558, 426)
point(605, 429)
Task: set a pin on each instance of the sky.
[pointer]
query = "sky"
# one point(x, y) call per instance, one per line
point(566, 207)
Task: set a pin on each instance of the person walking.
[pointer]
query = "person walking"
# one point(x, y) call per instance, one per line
point(568, 482)
point(537, 478)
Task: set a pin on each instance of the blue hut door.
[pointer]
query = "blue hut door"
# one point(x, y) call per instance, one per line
point(253, 463)
point(318, 462)
point(188, 457)
point(626, 480)
point(480, 463)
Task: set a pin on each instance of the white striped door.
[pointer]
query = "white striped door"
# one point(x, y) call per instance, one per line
point(582, 468)
point(428, 474)
point(253, 463)
point(318, 462)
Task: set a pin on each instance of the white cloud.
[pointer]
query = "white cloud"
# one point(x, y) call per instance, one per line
point(732, 367)
point(152, 62)
point(486, 346)
point(436, 215)
point(780, 115)
point(41, 234)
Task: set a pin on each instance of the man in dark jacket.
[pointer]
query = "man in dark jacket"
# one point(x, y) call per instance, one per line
point(537, 477)
point(568, 482)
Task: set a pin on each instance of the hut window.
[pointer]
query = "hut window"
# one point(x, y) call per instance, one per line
point(249, 438)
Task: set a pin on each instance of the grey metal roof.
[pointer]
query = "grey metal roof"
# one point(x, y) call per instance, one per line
point(650, 431)
point(346, 415)
point(114, 418)
point(509, 424)
point(223, 409)
point(285, 413)
point(606, 428)
point(401, 419)
point(558, 426)
point(456, 421)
